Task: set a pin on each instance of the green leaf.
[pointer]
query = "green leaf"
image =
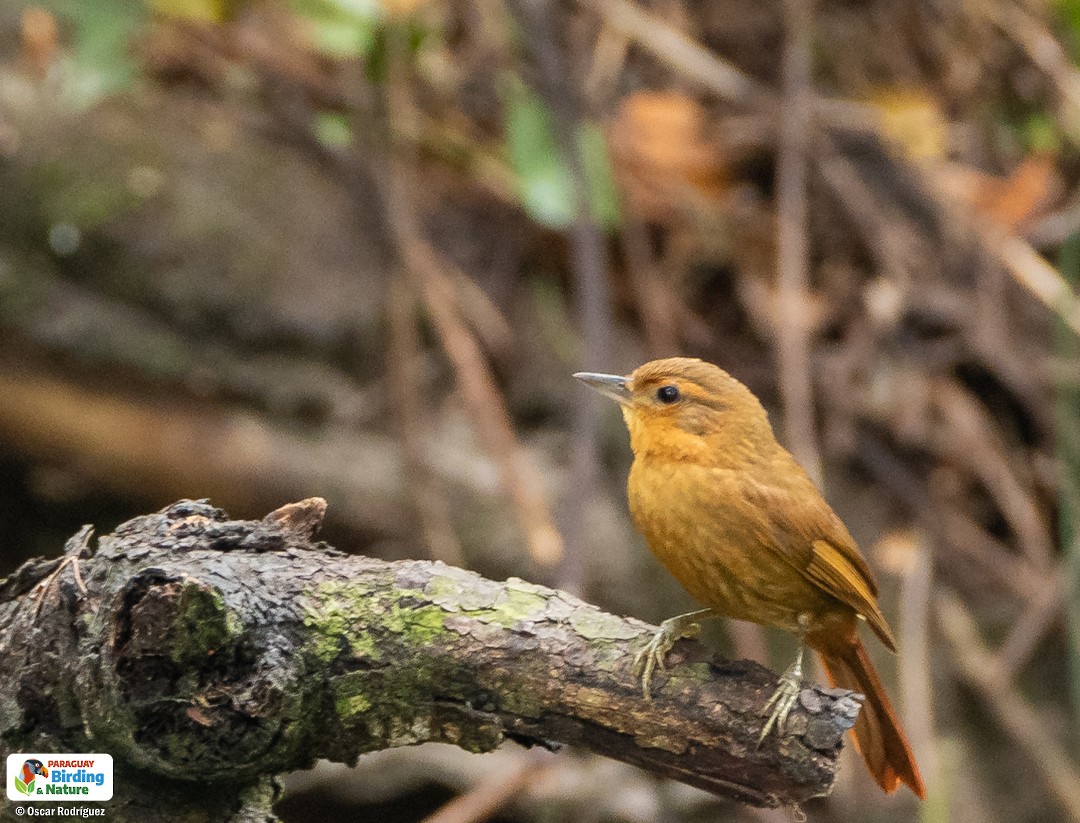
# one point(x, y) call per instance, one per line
point(20, 786)
point(603, 195)
point(1069, 13)
point(544, 178)
point(100, 61)
point(205, 11)
point(342, 29)
point(1041, 133)
point(544, 183)
point(333, 130)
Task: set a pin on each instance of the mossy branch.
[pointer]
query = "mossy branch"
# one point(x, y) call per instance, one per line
point(211, 652)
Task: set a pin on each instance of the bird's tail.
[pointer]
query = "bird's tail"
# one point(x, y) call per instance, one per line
point(877, 731)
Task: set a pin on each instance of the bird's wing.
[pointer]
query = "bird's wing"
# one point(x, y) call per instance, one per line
point(831, 570)
point(807, 532)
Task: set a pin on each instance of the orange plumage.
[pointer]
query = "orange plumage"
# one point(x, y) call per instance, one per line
point(743, 528)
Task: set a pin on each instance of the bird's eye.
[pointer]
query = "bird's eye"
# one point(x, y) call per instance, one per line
point(667, 394)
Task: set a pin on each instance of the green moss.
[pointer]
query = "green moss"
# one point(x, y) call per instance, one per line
point(507, 605)
point(687, 673)
point(596, 625)
point(460, 591)
point(339, 614)
point(352, 705)
point(445, 590)
point(419, 625)
point(521, 600)
point(350, 696)
point(389, 701)
point(203, 623)
point(342, 616)
point(488, 602)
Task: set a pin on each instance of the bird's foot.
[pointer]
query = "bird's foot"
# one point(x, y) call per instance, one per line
point(651, 658)
point(783, 699)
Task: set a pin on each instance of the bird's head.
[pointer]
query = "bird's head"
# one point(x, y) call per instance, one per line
point(684, 408)
point(35, 767)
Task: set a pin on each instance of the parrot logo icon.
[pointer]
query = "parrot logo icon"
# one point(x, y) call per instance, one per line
point(24, 779)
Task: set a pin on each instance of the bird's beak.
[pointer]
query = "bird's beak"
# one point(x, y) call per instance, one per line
point(609, 385)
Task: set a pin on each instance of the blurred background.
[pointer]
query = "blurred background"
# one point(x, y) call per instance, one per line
point(259, 250)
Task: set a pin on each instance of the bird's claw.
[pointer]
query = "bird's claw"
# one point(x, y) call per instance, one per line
point(651, 658)
point(783, 700)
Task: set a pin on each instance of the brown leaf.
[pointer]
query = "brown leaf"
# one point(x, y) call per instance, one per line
point(40, 39)
point(661, 151)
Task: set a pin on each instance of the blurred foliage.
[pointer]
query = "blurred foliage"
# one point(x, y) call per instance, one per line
point(1068, 422)
point(333, 130)
point(342, 28)
point(97, 60)
point(545, 180)
point(1069, 11)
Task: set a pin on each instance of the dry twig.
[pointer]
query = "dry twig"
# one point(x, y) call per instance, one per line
point(403, 367)
point(978, 668)
point(1029, 629)
point(491, 794)
point(589, 268)
point(479, 391)
point(968, 436)
point(793, 264)
point(681, 52)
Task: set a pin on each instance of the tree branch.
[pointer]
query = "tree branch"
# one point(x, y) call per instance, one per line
point(207, 651)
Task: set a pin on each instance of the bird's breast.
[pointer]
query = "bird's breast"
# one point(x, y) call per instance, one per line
point(721, 549)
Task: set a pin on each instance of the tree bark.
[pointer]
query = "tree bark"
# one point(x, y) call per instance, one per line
point(208, 655)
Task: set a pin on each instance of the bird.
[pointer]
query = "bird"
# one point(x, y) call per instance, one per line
point(29, 770)
point(742, 527)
